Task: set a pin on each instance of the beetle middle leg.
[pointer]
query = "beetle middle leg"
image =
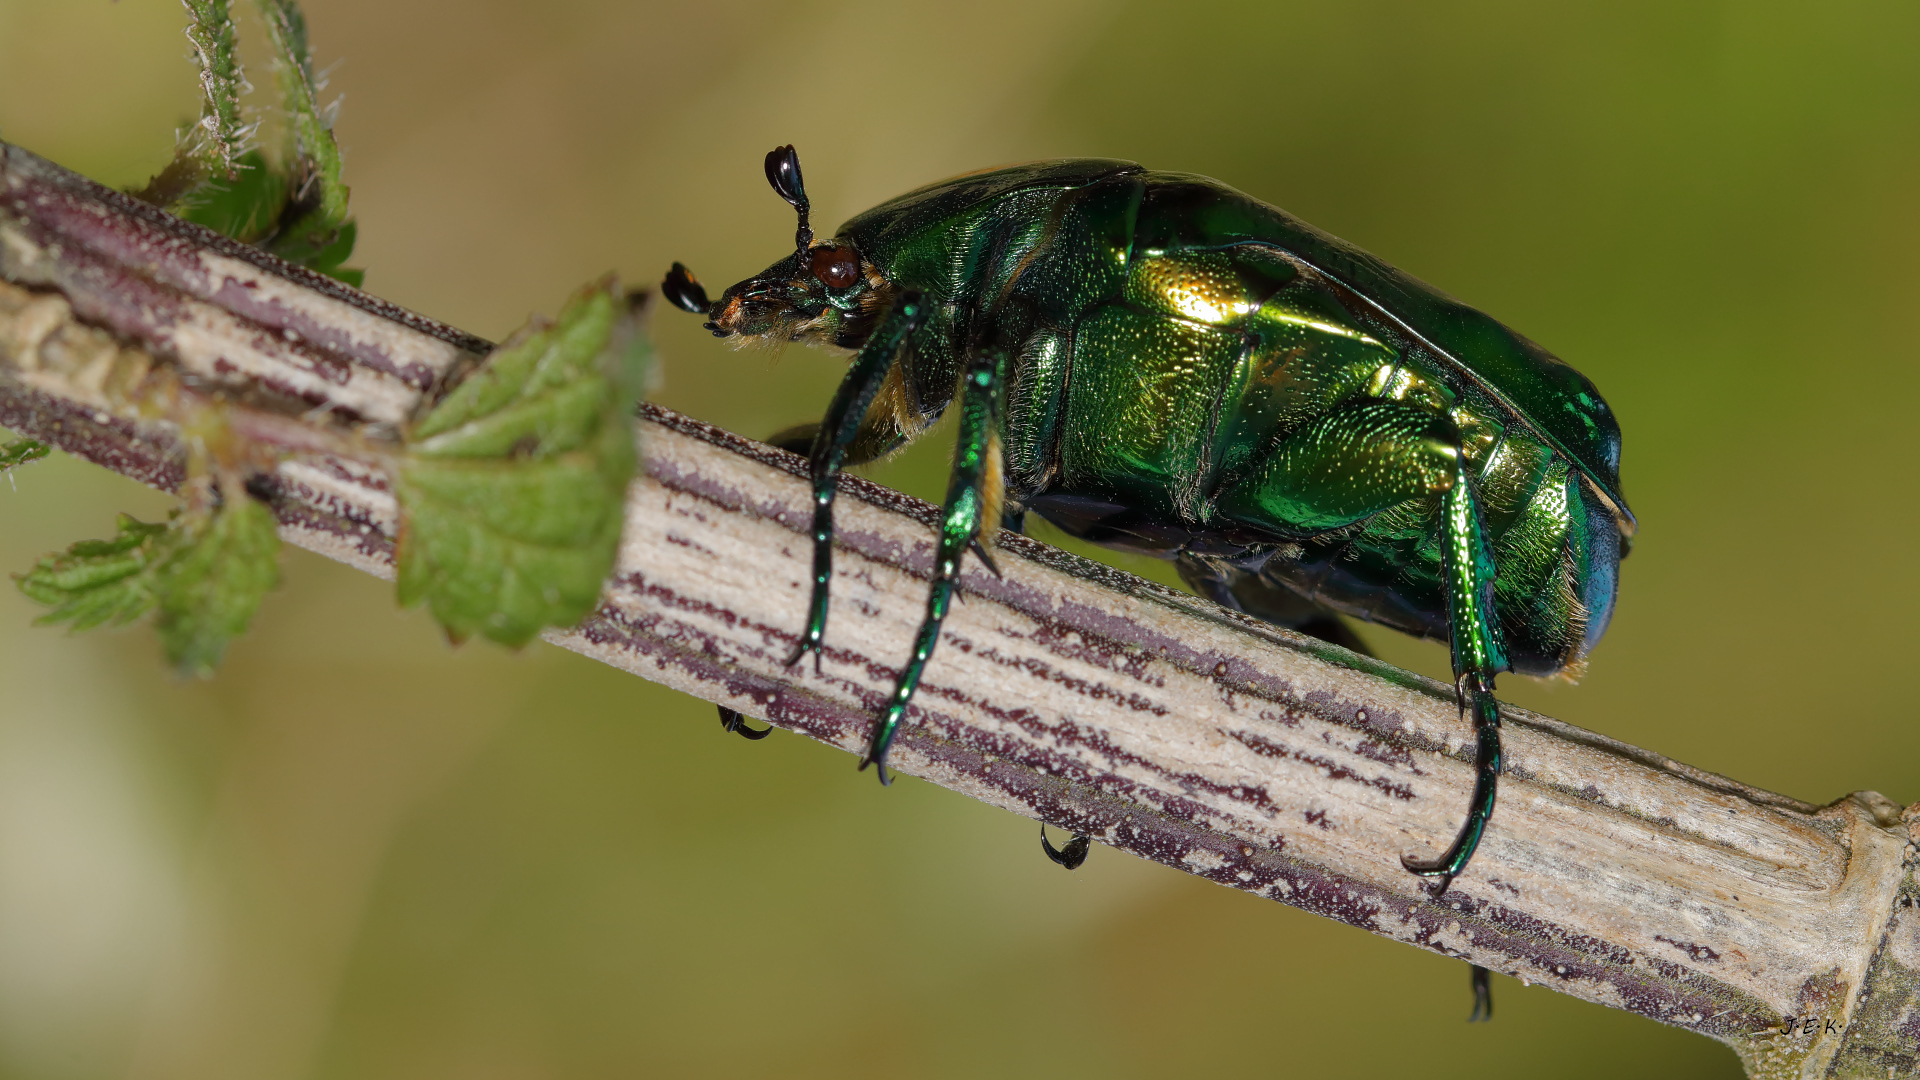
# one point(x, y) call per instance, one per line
point(1244, 590)
point(831, 442)
point(972, 500)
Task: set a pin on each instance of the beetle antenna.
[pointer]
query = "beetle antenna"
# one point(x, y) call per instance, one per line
point(783, 172)
point(684, 291)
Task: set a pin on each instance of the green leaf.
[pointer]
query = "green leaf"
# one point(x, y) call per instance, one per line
point(19, 452)
point(291, 203)
point(211, 147)
point(317, 232)
point(320, 250)
point(212, 583)
point(97, 582)
point(205, 573)
point(247, 207)
point(513, 487)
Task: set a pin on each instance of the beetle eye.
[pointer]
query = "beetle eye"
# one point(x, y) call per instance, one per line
point(836, 267)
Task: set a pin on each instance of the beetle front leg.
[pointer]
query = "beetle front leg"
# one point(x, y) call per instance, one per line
point(1477, 656)
point(972, 498)
point(830, 443)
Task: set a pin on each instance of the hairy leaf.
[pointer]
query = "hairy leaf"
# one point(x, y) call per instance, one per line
point(210, 149)
point(98, 582)
point(290, 202)
point(247, 207)
point(21, 451)
point(205, 573)
point(512, 488)
point(212, 582)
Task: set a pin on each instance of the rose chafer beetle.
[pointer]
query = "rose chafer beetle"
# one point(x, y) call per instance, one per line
point(1156, 362)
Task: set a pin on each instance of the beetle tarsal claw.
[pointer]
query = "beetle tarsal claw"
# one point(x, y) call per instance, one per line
point(879, 767)
point(731, 720)
point(799, 653)
point(1482, 995)
point(1070, 856)
point(1442, 878)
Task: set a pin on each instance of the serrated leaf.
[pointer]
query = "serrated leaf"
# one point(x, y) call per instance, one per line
point(512, 490)
point(98, 582)
point(204, 574)
point(20, 451)
point(213, 581)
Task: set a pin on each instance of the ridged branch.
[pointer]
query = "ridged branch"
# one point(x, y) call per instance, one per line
point(1065, 691)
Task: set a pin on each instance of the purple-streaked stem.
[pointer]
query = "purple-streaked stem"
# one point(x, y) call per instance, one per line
point(1065, 691)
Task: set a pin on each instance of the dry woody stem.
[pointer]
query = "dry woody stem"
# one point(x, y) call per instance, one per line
point(1065, 691)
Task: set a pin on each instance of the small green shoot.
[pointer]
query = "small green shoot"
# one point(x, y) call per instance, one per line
point(292, 203)
point(317, 232)
point(217, 142)
point(512, 488)
point(204, 573)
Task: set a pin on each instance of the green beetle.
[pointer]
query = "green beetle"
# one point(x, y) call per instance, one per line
point(1157, 362)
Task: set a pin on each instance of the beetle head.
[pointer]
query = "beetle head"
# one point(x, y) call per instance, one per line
point(825, 293)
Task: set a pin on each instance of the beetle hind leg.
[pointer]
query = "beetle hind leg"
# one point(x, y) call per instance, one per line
point(1477, 655)
point(1486, 781)
point(1256, 595)
point(1363, 458)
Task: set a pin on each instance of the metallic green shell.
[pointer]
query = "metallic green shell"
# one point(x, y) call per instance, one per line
point(1201, 375)
point(1192, 212)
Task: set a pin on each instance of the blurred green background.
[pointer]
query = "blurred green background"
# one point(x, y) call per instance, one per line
point(360, 853)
